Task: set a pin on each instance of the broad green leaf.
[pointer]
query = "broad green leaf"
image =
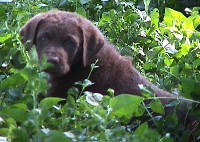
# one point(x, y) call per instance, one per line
point(155, 17)
point(149, 66)
point(28, 74)
point(174, 70)
point(172, 16)
point(157, 106)
point(20, 135)
point(54, 136)
point(81, 11)
point(3, 132)
point(124, 106)
point(196, 62)
point(130, 16)
point(145, 134)
point(142, 130)
point(112, 13)
point(188, 66)
point(185, 48)
point(3, 38)
point(195, 18)
point(190, 86)
point(18, 111)
point(70, 102)
point(105, 19)
point(188, 28)
point(73, 91)
point(11, 122)
point(140, 111)
point(168, 61)
point(49, 102)
point(2, 11)
point(14, 81)
point(153, 53)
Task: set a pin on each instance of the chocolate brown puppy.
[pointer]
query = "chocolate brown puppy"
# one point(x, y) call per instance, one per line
point(71, 43)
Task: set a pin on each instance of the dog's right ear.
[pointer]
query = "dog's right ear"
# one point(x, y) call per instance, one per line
point(28, 32)
point(93, 40)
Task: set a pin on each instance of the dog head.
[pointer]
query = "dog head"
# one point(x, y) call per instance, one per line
point(63, 38)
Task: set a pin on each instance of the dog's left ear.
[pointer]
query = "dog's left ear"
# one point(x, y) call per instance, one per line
point(28, 32)
point(93, 41)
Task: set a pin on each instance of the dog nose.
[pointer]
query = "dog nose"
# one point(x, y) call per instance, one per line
point(53, 60)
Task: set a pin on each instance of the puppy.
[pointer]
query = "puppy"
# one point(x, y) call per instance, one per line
point(71, 43)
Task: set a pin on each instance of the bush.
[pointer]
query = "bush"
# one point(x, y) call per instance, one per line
point(166, 51)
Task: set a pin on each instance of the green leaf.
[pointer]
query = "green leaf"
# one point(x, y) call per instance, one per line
point(5, 37)
point(196, 63)
point(20, 135)
point(73, 91)
point(195, 19)
point(18, 111)
point(188, 28)
point(14, 81)
point(2, 11)
point(157, 106)
point(174, 70)
point(81, 11)
point(124, 106)
point(168, 61)
point(190, 86)
point(185, 48)
point(4, 132)
point(105, 19)
point(54, 136)
point(153, 53)
point(188, 66)
point(149, 66)
point(172, 16)
point(49, 102)
point(11, 122)
point(145, 134)
point(142, 130)
point(155, 17)
point(130, 16)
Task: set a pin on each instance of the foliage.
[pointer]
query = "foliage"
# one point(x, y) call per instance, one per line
point(166, 51)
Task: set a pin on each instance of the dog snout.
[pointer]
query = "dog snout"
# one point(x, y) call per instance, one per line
point(53, 60)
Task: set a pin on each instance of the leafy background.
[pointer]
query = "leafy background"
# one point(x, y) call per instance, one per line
point(160, 37)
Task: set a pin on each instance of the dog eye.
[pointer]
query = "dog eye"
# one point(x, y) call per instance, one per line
point(44, 40)
point(70, 44)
